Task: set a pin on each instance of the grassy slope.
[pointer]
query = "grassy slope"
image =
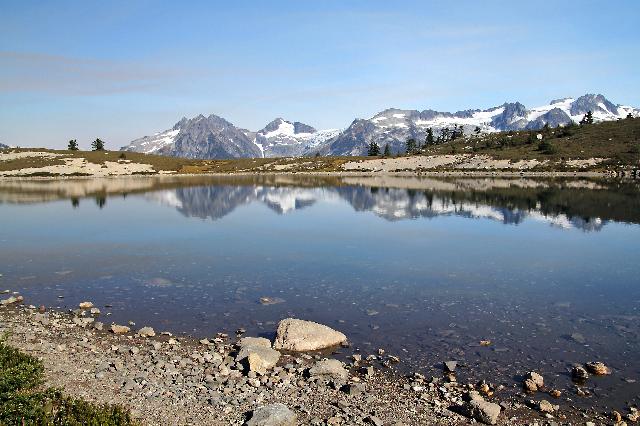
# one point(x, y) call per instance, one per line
point(618, 141)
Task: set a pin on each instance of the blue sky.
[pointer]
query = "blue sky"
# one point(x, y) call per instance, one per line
point(123, 69)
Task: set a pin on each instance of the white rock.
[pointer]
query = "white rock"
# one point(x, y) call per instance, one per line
point(298, 335)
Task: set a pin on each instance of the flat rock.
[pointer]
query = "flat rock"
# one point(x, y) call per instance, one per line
point(299, 335)
point(85, 305)
point(483, 411)
point(273, 415)
point(119, 329)
point(329, 368)
point(451, 365)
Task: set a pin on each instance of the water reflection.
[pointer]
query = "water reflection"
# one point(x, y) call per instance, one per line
point(393, 204)
point(568, 204)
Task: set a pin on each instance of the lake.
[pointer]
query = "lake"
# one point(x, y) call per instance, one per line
point(424, 268)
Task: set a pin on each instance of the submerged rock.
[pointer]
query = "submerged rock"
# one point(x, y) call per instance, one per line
point(598, 368)
point(298, 335)
point(451, 365)
point(273, 415)
point(579, 373)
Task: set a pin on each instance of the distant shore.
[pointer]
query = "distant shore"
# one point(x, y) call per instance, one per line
point(73, 164)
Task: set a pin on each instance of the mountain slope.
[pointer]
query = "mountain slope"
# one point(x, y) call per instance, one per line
point(395, 126)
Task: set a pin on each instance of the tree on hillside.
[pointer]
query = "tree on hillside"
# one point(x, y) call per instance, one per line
point(387, 151)
point(629, 115)
point(477, 130)
point(587, 119)
point(429, 140)
point(97, 145)
point(73, 145)
point(374, 149)
point(411, 146)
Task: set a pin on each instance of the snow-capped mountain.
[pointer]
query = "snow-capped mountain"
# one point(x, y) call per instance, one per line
point(214, 137)
point(282, 138)
point(395, 126)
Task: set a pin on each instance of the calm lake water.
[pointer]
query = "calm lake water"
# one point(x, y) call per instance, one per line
point(548, 271)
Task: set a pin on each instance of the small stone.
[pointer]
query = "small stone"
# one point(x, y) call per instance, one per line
point(545, 406)
point(533, 381)
point(483, 411)
point(119, 329)
point(353, 388)
point(258, 358)
point(579, 373)
point(273, 415)
point(329, 368)
point(85, 305)
point(451, 365)
point(94, 311)
point(555, 393)
point(598, 368)
point(146, 332)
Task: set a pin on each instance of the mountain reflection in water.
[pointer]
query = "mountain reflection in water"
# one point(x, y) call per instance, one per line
point(215, 202)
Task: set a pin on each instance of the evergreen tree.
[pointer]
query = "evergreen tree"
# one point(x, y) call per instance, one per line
point(374, 149)
point(477, 130)
point(429, 140)
point(97, 145)
point(629, 115)
point(411, 146)
point(587, 119)
point(387, 151)
point(73, 145)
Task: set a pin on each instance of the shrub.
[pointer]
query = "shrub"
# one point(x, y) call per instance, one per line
point(23, 401)
point(546, 147)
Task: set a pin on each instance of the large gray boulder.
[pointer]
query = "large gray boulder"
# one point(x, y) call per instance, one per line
point(299, 336)
point(273, 415)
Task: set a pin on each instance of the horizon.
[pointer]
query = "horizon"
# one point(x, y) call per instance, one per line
point(120, 71)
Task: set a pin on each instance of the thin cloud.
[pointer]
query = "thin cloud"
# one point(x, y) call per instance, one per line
point(24, 72)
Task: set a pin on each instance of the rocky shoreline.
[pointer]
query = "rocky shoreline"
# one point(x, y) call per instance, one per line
point(234, 380)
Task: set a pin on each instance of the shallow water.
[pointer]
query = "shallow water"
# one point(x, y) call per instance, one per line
point(424, 268)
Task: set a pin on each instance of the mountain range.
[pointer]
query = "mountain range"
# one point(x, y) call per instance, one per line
point(214, 137)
